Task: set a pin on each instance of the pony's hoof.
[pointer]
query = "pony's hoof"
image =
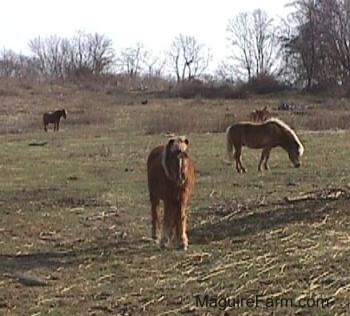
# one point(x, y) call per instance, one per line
point(183, 244)
point(162, 246)
point(162, 243)
point(155, 235)
point(183, 247)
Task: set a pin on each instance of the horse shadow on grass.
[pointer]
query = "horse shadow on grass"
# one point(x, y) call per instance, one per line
point(52, 260)
point(261, 219)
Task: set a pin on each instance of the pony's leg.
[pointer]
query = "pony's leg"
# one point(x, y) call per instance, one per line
point(168, 225)
point(238, 155)
point(264, 158)
point(261, 161)
point(45, 127)
point(58, 125)
point(267, 156)
point(181, 227)
point(155, 217)
point(238, 168)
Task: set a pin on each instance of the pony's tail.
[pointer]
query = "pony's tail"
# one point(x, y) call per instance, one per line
point(229, 145)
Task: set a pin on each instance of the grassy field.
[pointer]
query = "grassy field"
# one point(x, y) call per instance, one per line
point(75, 218)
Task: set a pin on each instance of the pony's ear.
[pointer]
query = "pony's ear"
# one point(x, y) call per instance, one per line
point(184, 139)
point(265, 108)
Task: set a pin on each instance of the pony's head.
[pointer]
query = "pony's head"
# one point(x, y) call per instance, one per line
point(290, 142)
point(176, 159)
point(264, 113)
point(295, 150)
point(64, 113)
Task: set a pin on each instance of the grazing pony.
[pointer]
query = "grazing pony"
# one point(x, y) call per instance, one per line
point(260, 115)
point(54, 118)
point(266, 135)
point(171, 178)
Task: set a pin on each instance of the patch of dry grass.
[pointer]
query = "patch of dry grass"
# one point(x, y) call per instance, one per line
point(75, 220)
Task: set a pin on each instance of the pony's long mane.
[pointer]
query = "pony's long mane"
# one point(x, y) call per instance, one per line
point(165, 167)
point(289, 130)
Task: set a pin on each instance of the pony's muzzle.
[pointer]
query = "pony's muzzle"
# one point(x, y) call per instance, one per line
point(297, 164)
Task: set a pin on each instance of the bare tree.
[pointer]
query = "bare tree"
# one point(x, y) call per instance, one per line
point(224, 72)
point(13, 65)
point(318, 43)
point(188, 58)
point(47, 51)
point(8, 64)
point(153, 64)
point(300, 41)
point(131, 59)
point(333, 40)
point(241, 38)
point(83, 54)
point(101, 53)
point(254, 43)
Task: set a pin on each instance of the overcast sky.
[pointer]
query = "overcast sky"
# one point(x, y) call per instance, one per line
point(152, 22)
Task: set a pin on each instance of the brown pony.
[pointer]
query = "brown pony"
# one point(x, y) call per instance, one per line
point(260, 115)
point(171, 178)
point(266, 135)
point(54, 118)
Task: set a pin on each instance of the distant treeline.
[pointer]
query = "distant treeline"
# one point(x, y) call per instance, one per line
point(310, 48)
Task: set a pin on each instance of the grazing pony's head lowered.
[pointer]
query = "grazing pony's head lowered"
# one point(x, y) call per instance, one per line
point(292, 144)
point(175, 160)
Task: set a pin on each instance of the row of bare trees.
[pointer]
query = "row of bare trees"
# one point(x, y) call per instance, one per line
point(57, 57)
point(13, 65)
point(310, 47)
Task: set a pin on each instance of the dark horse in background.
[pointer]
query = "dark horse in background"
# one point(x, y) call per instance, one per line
point(54, 118)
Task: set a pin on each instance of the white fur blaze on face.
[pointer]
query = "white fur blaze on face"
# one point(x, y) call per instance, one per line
point(180, 171)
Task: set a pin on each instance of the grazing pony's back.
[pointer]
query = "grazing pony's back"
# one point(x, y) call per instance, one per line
point(54, 118)
point(266, 135)
point(171, 178)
